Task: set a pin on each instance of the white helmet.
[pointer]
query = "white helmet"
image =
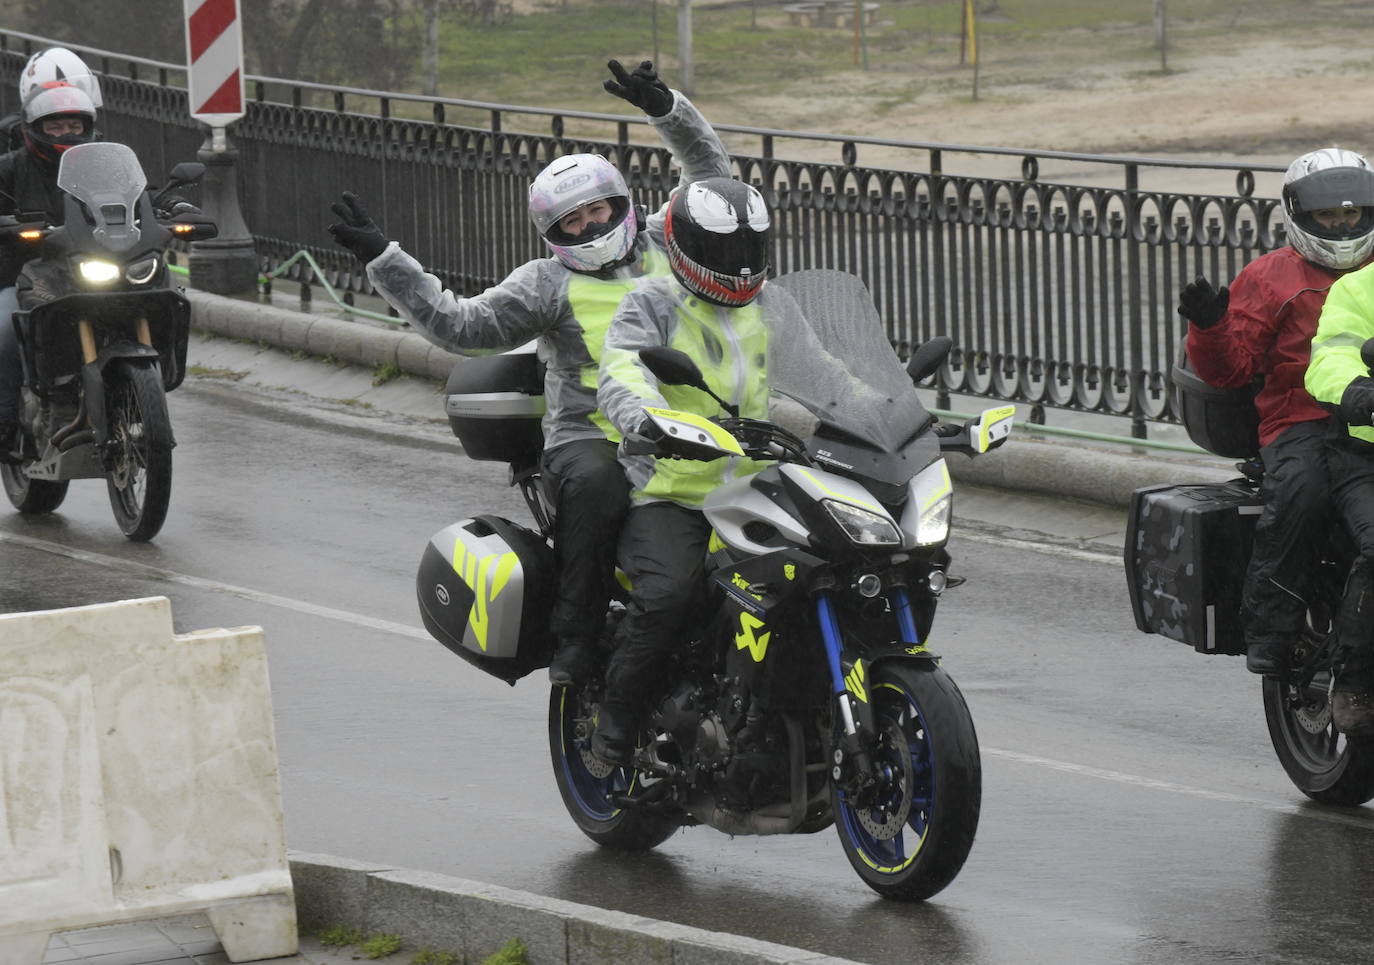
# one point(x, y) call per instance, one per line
point(565, 185)
point(1329, 178)
point(57, 64)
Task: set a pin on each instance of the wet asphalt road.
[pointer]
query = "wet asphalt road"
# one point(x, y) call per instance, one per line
point(1133, 810)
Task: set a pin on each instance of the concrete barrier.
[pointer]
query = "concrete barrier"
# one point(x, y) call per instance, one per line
point(473, 920)
point(138, 779)
point(1027, 465)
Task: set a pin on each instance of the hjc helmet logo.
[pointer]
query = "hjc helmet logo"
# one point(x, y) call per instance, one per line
point(441, 593)
point(568, 184)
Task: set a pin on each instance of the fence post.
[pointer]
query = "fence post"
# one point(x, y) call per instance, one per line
point(227, 264)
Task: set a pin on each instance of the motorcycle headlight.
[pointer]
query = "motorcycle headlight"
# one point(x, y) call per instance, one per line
point(96, 271)
point(142, 272)
point(932, 528)
point(861, 526)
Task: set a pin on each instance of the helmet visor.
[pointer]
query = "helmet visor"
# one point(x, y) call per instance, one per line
point(1332, 188)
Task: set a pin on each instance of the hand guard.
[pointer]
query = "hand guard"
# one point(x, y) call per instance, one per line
point(643, 441)
point(1201, 304)
point(1357, 402)
point(642, 88)
point(356, 232)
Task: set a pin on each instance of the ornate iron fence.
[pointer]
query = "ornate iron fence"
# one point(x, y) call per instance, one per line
point(1058, 292)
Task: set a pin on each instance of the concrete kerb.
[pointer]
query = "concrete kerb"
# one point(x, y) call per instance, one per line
point(474, 920)
point(1033, 465)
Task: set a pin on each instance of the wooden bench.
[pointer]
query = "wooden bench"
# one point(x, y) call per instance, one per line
point(828, 13)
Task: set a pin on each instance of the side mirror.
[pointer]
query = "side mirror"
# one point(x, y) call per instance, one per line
point(928, 357)
point(672, 367)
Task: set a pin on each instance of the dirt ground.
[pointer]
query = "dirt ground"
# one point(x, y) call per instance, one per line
point(1255, 95)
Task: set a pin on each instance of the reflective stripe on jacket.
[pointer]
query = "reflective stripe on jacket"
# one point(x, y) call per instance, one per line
point(1347, 320)
point(730, 345)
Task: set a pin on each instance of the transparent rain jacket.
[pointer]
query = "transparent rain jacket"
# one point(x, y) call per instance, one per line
point(567, 311)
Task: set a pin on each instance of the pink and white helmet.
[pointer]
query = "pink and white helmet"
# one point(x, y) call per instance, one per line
point(565, 185)
point(57, 65)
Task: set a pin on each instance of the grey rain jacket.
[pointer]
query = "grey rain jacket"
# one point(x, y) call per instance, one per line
point(567, 311)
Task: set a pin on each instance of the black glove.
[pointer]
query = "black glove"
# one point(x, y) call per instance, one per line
point(643, 441)
point(1201, 304)
point(356, 232)
point(642, 88)
point(1357, 402)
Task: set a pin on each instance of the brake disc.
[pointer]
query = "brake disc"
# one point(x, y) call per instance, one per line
point(895, 780)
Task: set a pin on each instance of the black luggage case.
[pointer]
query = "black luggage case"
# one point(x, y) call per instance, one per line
point(1187, 549)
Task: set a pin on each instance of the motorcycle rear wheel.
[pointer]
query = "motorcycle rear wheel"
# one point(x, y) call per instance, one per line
point(31, 496)
point(140, 481)
point(1322, 762)
point(587, 784)
point(908, 837)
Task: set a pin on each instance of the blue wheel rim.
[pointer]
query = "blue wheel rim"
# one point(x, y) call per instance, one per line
point(894, 854)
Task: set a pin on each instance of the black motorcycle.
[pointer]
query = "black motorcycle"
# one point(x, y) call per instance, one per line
point(807, 694)
point(103, 337)
point(1187, 550)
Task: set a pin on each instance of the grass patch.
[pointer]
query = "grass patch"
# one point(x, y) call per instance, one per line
point(213, 373)
point(380, 946)
point(385, 372)
point(427, 956)
point(512, 952)
point(356, 403)
point(337, 936)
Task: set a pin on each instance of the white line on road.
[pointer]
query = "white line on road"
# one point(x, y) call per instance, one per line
point(200, 583)
point(387, 626)
point(1047, 548)
point(1136, 780)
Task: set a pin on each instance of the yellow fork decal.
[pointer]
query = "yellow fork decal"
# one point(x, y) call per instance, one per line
point(854, 682)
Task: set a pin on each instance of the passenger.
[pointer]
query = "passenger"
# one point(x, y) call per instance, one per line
point(1263, 327)
point(601, 246)
point(56, 116)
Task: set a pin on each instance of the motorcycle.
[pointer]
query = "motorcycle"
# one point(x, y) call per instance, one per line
point(808, 693)
point(1186, 554)
point(103, 336)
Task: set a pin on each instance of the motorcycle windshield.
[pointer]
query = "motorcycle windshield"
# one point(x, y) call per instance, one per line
point(829, 352)
point(108, 181)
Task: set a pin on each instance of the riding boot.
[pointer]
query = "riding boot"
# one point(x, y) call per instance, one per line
point(572, 662)
point(614, 738)
point(9, 443)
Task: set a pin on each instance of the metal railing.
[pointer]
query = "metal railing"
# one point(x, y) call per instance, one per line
point(1057, 288)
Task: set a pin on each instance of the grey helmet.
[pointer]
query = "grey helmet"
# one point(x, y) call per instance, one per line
point(566, 184)
point(1329, 178)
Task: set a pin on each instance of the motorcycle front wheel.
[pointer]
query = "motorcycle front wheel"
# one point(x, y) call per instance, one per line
point(589, 785)
point(909, 834)
point(31, 496)
point(1322, 762)
point(140, 479)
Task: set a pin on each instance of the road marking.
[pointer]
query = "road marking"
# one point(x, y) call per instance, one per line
point(215, 586)
point(1136, 780)
point(1049, 549)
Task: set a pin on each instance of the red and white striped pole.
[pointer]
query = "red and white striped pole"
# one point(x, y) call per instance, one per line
point(226, 265)
point(214, 63)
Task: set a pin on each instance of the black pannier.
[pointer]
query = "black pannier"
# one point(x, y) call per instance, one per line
point(1187, 549)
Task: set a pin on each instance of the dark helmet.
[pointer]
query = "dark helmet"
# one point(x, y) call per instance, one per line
point(718, 233)
point(56, 101)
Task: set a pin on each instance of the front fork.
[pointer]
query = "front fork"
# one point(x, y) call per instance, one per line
point(855, 711)
point(93, 379)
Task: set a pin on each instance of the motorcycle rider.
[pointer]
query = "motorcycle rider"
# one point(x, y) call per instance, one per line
point(51, 65)
point(57, 116)
point(1340, 377)
point(717, 308)
point(601, 246)
point(1262, 326)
